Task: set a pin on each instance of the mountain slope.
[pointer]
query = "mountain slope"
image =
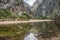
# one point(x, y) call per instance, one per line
point(45, 7)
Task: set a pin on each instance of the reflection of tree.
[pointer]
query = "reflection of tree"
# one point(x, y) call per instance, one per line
point(20, 30)
point(26, 27)
point(15, 31)
point(48, 30)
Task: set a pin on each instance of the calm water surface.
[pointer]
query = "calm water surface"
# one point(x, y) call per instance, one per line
point(20, 31)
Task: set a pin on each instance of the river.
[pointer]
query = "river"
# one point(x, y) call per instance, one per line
point(41, 30)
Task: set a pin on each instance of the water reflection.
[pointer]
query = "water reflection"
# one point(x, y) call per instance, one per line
point(30, 37)
point(19, 32)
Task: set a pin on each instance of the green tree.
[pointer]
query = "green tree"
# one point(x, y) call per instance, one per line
point(5, 13)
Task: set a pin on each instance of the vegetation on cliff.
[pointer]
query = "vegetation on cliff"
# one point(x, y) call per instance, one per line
point(6, 14)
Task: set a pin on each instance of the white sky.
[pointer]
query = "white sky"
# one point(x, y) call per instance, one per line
point(30, 2)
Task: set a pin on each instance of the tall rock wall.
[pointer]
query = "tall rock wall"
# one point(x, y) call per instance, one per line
point(45, 7)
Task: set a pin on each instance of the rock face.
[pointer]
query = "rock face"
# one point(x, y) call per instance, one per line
point(12, 5)
point(15, 6)
point(35, 5)
point(27, 8)
point(45, 7)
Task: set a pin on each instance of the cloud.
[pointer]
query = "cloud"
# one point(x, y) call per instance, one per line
point(30, 2)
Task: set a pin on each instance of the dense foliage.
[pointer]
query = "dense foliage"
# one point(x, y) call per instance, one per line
point(5, 13)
